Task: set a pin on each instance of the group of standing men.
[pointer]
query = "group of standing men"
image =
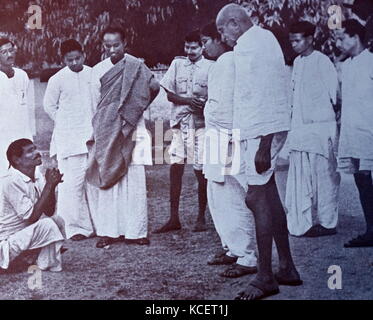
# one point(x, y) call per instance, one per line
point(236, 107)
point(93, 141)
point(247, 91)
point(83, 102)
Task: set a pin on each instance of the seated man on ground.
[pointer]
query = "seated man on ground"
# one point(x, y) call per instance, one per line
point(27, 206)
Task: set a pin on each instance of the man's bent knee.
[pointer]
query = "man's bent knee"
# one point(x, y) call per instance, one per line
point(48, 224)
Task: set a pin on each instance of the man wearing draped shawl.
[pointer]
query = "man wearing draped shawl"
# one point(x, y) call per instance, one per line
point(122, 88)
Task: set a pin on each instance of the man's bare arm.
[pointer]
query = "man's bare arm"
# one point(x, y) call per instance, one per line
point(263, 155)
point(179, 100)
point(196, 105)
point(47, 201)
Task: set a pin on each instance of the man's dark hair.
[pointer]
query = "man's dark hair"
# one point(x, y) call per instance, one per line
point(362, 8)
point(69, 46)
point(304, 27)
point(194, 36)
point(113, 30)
point(353, 27)
point(5, 41)
point(211, 31)
point(15, 149)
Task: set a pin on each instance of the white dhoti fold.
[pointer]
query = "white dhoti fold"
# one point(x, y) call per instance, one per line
point(72, 203)
point(44, 234)
point(311, 191)
point(121, 210)
point(233, 220)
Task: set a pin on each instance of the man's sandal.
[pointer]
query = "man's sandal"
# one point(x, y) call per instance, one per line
point(236, 271)
point(319, 231)
point(221, 260)
point(106, 241)
point(140, 241)
point(78, 237)
point(262, 290)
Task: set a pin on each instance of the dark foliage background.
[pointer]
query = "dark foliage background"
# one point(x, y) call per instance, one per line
point(155, 28)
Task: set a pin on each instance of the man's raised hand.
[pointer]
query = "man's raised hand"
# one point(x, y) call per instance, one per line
point(53, 177)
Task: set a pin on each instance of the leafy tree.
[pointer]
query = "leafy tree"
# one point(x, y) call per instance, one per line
point(155, 28)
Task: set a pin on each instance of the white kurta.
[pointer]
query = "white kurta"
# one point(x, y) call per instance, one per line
point(260, 95)
point(19, 195)
point(14, 113)
point(313, 124)
point(260, 98)
point(313, 183)
point(218, 114)
point(226, 197)
point(122, 209)
point(68, 102)
point(356, 140)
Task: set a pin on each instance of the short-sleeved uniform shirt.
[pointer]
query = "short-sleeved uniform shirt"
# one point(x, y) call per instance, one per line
point(18, 197)
point(186, 78)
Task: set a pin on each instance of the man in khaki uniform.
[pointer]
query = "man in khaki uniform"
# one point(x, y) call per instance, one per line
point(186, 85)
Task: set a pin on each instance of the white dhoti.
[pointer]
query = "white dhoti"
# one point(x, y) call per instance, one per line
point(311, 192)
point(233, 220)
point(122, 209)
point(72, 204)
point(249, 148)
point(44, 234)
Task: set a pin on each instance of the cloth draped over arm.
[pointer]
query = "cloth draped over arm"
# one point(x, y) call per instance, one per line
point(125, 95)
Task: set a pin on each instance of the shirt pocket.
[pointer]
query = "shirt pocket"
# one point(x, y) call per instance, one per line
point(200, 87)
point(182, 85)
